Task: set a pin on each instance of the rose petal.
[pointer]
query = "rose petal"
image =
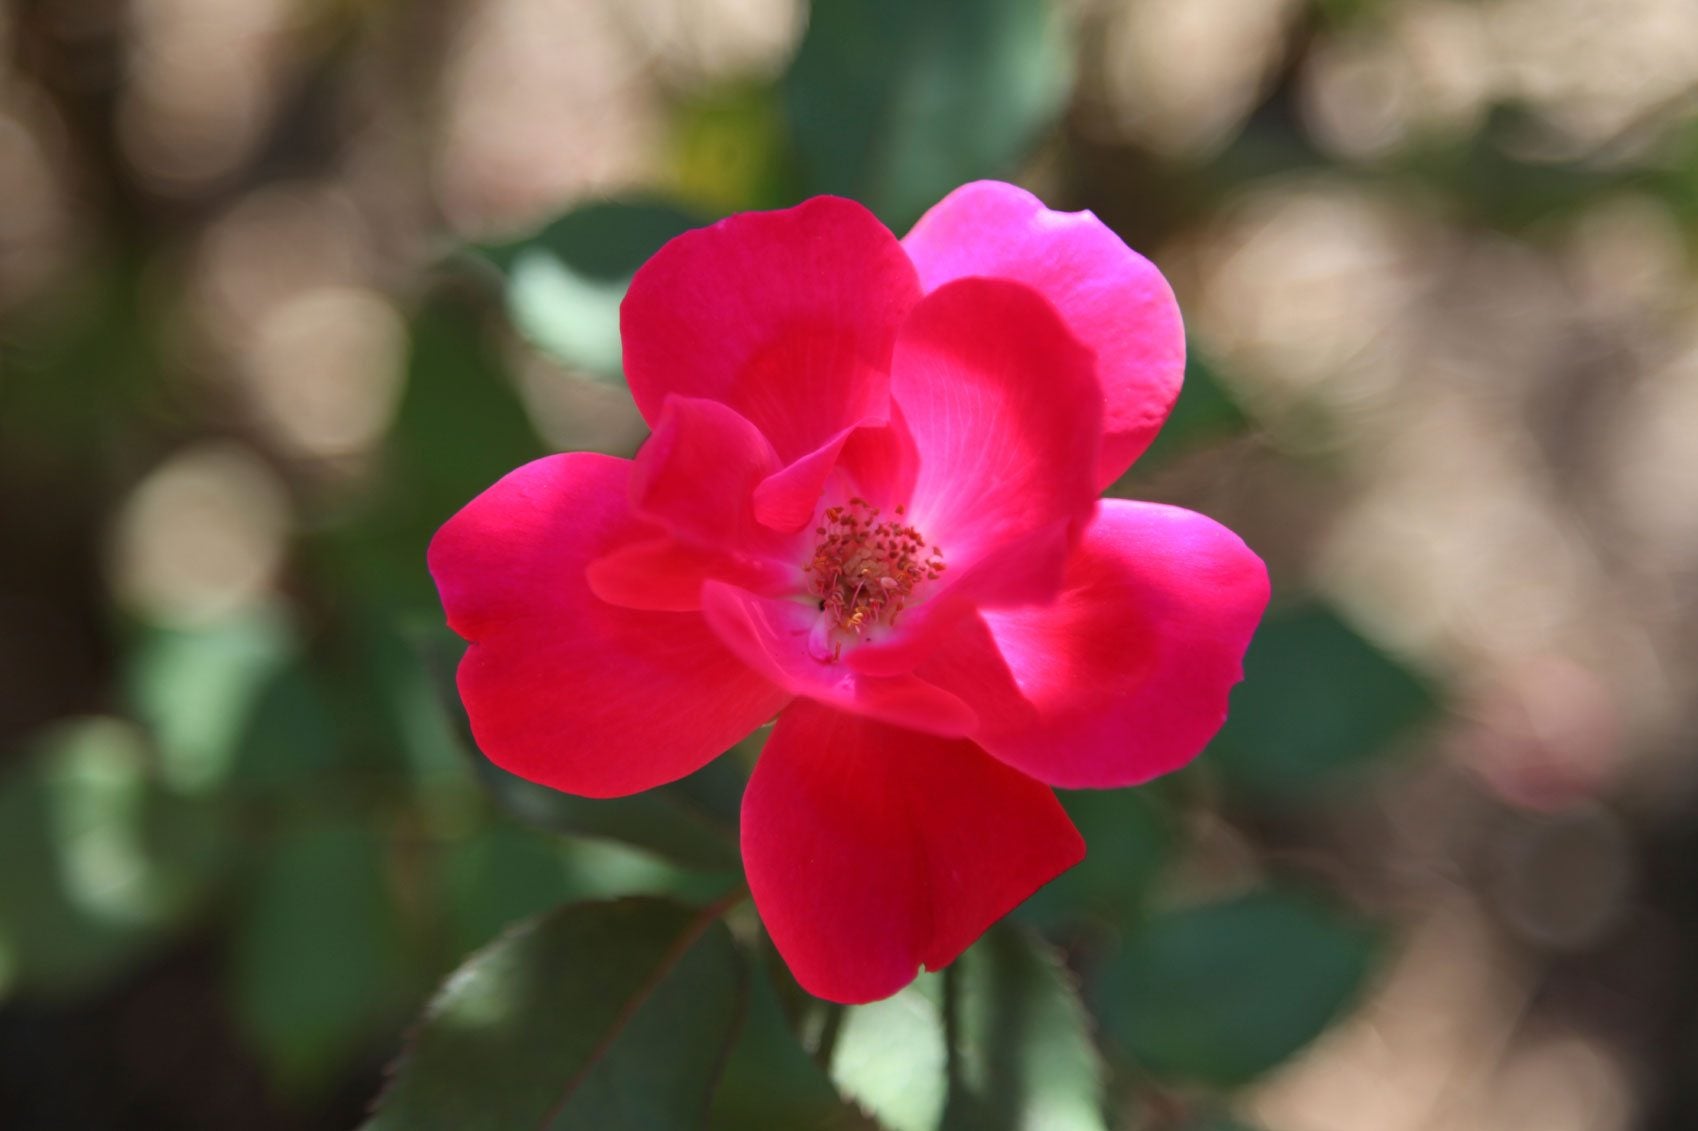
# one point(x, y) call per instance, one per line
point(697, 474)
point(1126, 675)
point(1004, 412)
point(881, 462)
point(778, 637)
point(788, 498)
point(665, 575)
point(563, 688)
point(787, 317)
point(872, 851)
point(1113, 299)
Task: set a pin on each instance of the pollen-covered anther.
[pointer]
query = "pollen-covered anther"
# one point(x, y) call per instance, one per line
point(866, 568)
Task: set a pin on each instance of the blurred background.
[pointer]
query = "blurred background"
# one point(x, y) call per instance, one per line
point(284, 283)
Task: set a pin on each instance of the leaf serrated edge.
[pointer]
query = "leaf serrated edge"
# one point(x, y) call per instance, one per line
point(694, 928)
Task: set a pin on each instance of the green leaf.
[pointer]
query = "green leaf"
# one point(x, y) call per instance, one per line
point(1130, 835)
point(1024, 1060)
point(1225, 991)
point(771, 1082)
point(460, 427)
point(1317, 699)
point(499, 874)
point(1204, 412)
point(291, 740)
point(891, 1057)
point(610, 1016)
point(196, 688)
point(319, 962)
point(896, 102)
point(565, 284)
point(502, 872)
point(669, 821)
point(97, 860)
point(1024, 1050)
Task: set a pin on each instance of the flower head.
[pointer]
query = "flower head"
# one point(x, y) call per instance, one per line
point(868, 507)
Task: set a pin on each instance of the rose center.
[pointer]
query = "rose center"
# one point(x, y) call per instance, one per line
point(865, 570)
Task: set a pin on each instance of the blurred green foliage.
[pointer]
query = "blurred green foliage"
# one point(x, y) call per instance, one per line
point(895, 102)
point(595, 1015)
point(1318, 700)
point(1222, 992)
point(564, 284)
point(297, 779)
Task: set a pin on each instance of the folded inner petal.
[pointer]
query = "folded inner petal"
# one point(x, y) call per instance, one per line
point(787, 499)
point(1126, 675)
point(872, 851)
point(562, 687)
point(697, 474)
point(787, 640)
point(663, 574)
point(1113, 299)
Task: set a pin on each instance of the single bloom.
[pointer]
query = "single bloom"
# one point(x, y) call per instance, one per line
point(868, 507)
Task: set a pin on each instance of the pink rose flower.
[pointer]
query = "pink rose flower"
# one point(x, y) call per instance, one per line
point(869, 507)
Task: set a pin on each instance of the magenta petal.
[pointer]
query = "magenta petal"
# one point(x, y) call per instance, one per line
point(697, 474)
point(665, 575)
point(881, 462)
point(662, 575)
point(786, 499)
point(1126, 675)
point(787, 317)
point(872, 851)
point(776, 637)
point(1004, 411)
point(1113, 299)
point(563, 688)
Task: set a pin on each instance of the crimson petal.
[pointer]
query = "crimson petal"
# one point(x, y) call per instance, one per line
point(1112, 299)
point(787, 317)
point(563, 688)
point(872, 851)
point(1125, 676)
point(1003, 409)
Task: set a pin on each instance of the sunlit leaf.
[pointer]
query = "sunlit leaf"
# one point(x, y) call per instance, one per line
point(565, 283)
point(667, 821)
point(770, 1081)
point(196, 688)
point(895, 102)
point(502, 872)
point(611, 1016)
point(891, 1057)
point(98, 861)
point(1222, 992)
point(1026, 1061)
point(1317, 699)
